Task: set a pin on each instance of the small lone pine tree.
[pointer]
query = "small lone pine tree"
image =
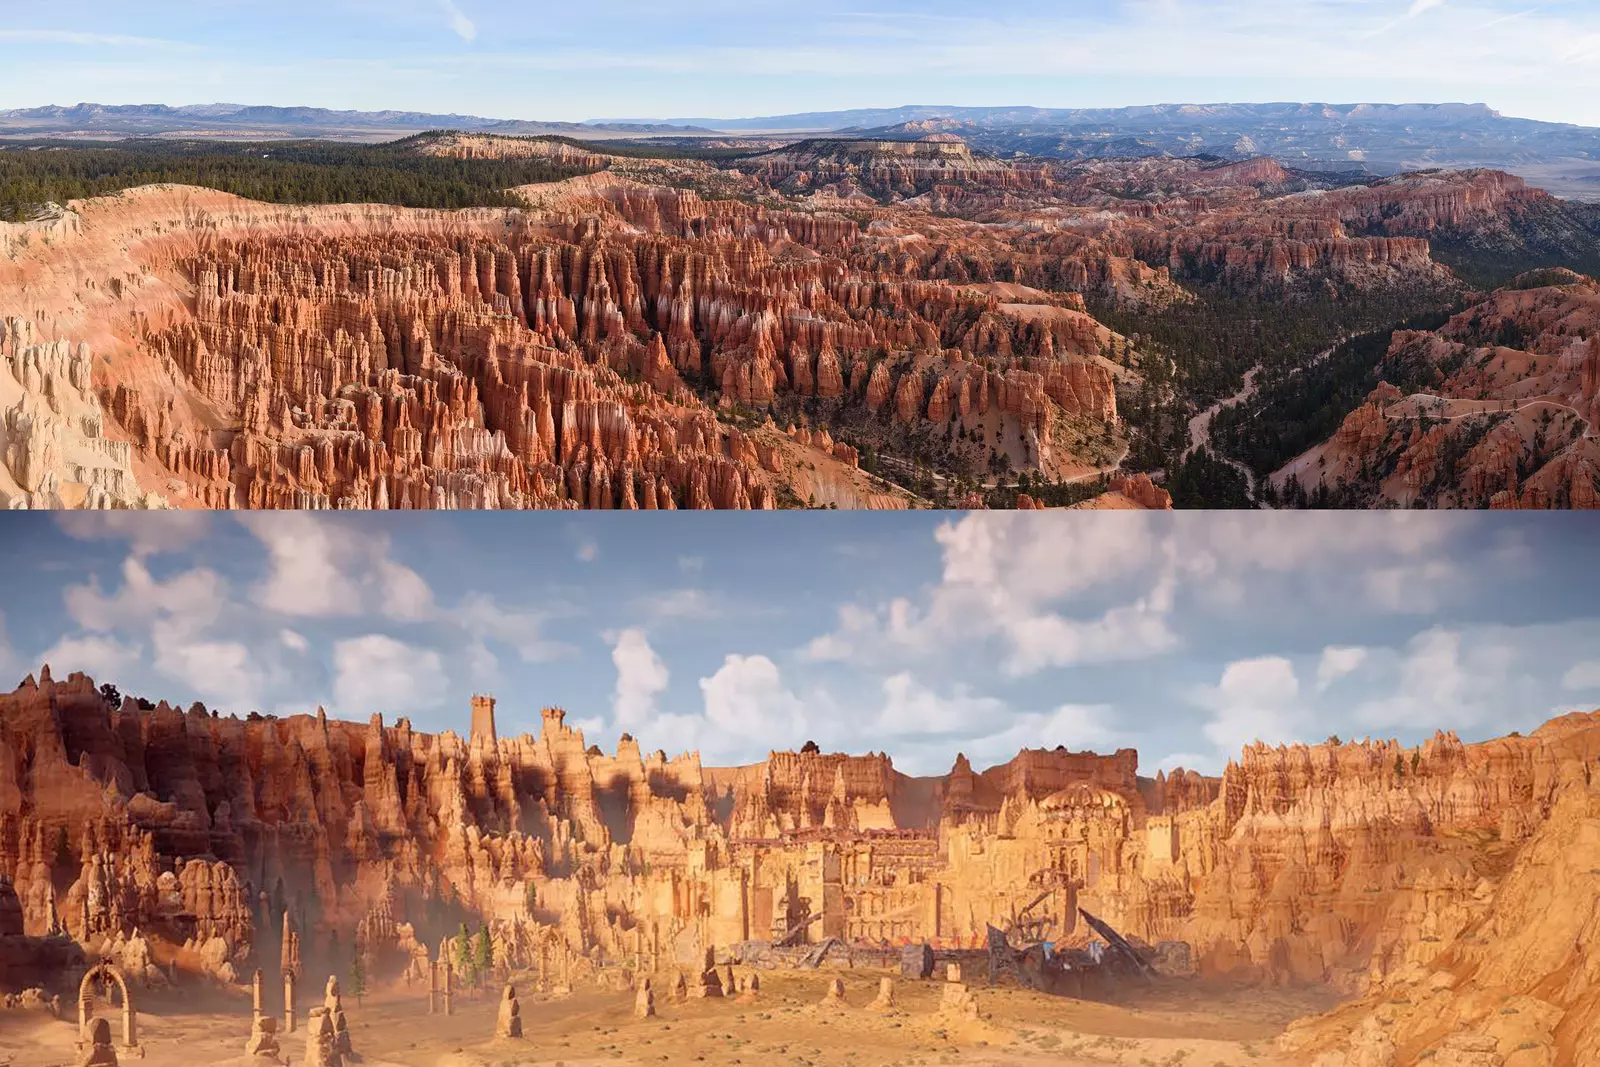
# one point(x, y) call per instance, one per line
point(358, 976)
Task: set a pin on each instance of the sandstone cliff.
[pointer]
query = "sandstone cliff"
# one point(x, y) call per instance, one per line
point(1357, 865)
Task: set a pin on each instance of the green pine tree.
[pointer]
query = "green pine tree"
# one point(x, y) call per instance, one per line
point(464, 957)
point(483, 957)
point(358, 976)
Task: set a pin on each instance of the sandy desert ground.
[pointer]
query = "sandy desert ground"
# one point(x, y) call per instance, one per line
point(1166, 1023)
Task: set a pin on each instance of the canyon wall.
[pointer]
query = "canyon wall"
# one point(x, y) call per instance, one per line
point(1348, 864)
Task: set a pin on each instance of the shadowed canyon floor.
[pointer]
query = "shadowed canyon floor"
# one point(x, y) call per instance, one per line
point(845, 323)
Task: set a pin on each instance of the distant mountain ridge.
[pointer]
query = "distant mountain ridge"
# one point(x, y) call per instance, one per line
point(1372, 137)
point(257, 120)
point(1378, 138)
point(1169, 113)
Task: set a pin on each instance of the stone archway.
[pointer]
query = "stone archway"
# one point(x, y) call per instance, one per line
point(105, 974)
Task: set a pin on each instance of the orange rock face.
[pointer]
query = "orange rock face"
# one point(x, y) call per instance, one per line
point(608, 345)
point(1505, 419)
point(1357, 865)
point(384, 358)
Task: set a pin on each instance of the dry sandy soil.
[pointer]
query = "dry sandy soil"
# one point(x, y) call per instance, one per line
point(1167, 1024)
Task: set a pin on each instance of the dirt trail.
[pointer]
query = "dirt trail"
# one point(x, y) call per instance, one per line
point(1200, 428)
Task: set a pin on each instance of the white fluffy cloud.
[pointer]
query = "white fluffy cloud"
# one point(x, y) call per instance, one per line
point(1438, 680)
point(746, 698)
point(1056, 591)
point(377, 673)
point(147, 532)
point(1002, 579)
point(1338, 661)
point(100, 656)
point(321, 567)
point(1257, 699)
point(180, 617)
point(641, 678)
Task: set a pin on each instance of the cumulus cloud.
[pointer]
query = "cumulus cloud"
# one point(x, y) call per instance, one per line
point(1055, 591)
point(146, 532)
point(325, 567)
point(1338, 661)
point(746, 698)
point(1257, 699)
point(641, 677)
point(294, 642)
point(377, 673)
point(1002, 580)
point(101, 656)
point(196, 595)
point(180, 616)
point(1437, 680)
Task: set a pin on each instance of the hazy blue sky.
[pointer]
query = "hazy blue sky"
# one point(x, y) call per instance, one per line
point(917, 634)
point(609, 58)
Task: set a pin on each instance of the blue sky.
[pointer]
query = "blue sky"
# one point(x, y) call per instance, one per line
point(609, 58)
point(918, 634)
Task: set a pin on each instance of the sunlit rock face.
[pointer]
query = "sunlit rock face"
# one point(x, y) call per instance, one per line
point(1352, 864)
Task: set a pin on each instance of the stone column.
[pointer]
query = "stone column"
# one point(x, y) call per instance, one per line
point(288, 1002)
point(433, 987)
point(255, 996)
point(449, 989)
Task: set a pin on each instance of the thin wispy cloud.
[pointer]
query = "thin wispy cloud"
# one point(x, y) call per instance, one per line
point(79, 39)
point(464, 27)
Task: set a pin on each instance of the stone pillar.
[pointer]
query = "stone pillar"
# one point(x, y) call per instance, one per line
point(288, 1002)
point(509, 1023)
point(130, 1024)
point(255, 996)
point(449, 989)
point(433, 987)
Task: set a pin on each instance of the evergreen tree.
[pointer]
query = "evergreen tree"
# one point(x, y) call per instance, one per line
point(358, 976)
point(465, 956)
point(483, 957)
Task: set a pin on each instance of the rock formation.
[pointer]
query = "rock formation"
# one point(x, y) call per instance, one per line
point(322, 1048)
point(833, 993)
point(1366, 866)
point(884, 1001)
point(644, 1002)
point(1501, 410)
point(509, 1021)
point(99, 1051)
point(263, 1038)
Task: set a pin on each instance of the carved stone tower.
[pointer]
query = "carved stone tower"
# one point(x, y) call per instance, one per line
point(483, 719)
